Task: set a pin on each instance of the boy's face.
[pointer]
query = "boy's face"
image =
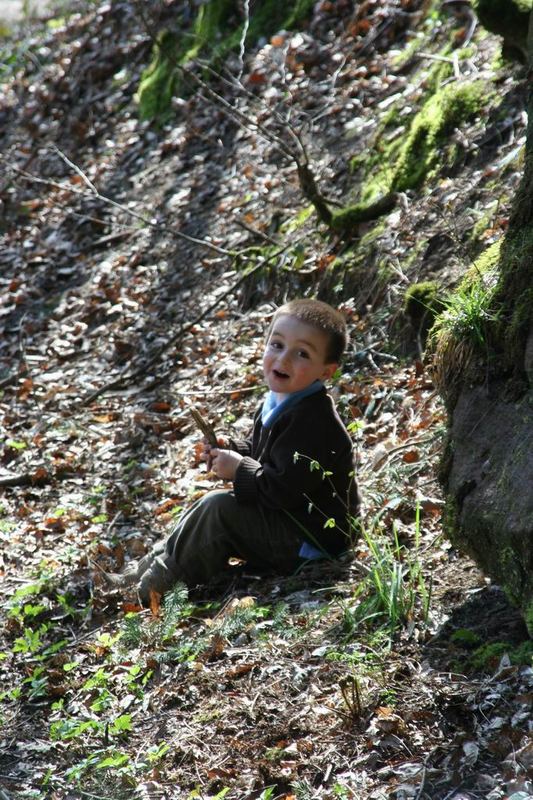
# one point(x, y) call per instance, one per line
point(295, 356)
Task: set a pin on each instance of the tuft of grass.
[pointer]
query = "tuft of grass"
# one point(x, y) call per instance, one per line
point(394, 591)
point(469, 311)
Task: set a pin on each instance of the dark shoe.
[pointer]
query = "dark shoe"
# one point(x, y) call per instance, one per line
point(159, 577)
point(135, 569)
point(119, 580)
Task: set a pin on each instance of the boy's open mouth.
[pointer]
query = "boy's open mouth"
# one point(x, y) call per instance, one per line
point(279, 374)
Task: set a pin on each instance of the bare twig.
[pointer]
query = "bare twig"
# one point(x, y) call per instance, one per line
point(219, 392)
point(242, 42)
point(295, 151)
point(76, 169)
point(153, 223)
point(256, 232)
point(205, 426)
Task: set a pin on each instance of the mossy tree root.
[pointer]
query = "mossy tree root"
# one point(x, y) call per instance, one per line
point(345, 221)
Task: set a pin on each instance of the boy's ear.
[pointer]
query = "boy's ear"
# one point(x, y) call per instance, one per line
point(329, 371)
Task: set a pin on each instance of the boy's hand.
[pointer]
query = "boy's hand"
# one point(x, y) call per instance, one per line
point(224, 463)
point(208, 450)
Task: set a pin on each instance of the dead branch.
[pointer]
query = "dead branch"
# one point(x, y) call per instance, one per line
point(38, 477)
point(296, 152)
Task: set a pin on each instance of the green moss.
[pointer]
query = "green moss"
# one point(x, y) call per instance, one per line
point(528, 617)
point(445, 110)
point(211, 21)
point(487, 262)
point(523, 654)
point(298, 221)
point(406, 162)
point(466, 638)
point(488, 655)
point(451, 511)
point(410, 50)
point(422, 302)
point(158, 81)
point(515, 294)
point(346, 220)
point(510, 565)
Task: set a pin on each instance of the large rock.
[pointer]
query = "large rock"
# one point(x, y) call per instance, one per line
point(509, 19)
point(490, 486)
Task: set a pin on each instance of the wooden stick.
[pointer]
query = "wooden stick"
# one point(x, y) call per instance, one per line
point(206, 427)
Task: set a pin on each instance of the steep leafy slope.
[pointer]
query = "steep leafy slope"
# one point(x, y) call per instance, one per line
point(139, 266)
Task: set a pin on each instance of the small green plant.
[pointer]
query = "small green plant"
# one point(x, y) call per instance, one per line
point(37, 683)
point(117, 762)
point(176, 607)
point(394, 588)
point(341, 791)
point(267, 793)
point(66, 603)
point(131, 632)
point(70, 728)
point(303, 790)
point(241, 619)
point(97, 495)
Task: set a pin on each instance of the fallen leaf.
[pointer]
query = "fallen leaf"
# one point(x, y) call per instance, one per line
point(131, 608)
point(155, 603)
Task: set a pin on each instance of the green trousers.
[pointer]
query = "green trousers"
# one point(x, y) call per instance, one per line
point(211, 531)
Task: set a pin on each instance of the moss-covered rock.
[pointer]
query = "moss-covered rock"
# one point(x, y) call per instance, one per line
point(447, 109)
point(488, 471)
point(422, 303)
point(464, 330)
point(405, 164)
point(464, 637)
point(488, 655)
point(488, 484)
point(158, 81)
point(515, 295)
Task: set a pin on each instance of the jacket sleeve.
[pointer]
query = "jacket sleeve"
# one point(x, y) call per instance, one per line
point(294, 470)
point(242, 446)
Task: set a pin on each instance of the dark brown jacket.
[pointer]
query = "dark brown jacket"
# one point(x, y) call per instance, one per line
point(303, 465)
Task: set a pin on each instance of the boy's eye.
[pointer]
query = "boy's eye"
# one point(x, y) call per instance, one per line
point(303, 354)
point(276, 345)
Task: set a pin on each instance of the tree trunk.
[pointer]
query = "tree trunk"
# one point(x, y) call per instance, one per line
point(488, 471)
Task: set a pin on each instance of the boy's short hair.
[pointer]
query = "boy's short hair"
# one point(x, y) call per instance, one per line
point(322, 316)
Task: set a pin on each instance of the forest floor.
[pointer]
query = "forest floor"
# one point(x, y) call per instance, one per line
point(397, 672)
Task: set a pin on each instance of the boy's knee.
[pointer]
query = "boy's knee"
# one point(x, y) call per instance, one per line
point(219, 502)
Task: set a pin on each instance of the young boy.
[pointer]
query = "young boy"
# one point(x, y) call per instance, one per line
point(294, 490)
